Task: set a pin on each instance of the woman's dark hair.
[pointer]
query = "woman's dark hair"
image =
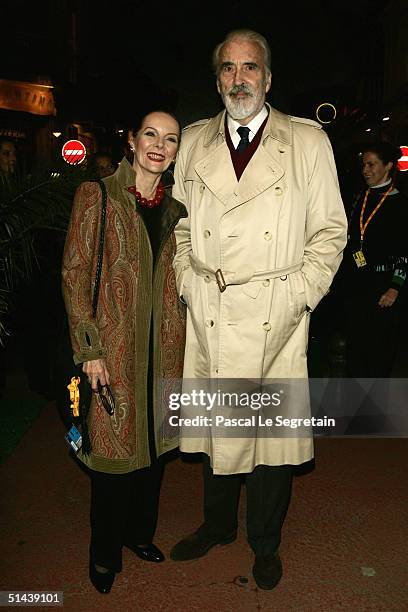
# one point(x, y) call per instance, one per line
point(385, 151)
point(134, 129)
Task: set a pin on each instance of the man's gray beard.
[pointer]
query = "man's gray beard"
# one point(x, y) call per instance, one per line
point(240, 109)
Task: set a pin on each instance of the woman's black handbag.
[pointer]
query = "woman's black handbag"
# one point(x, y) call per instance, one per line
point(65, 368)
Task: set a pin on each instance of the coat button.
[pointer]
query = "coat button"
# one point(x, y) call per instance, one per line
point(266, 326)
point(278, 191)
point(207, 233)
point(281, 149)
point(266, 282)
point(207, 278)
point(283, 277)
point(267, 236)
point(209, 323)
point(202, 187)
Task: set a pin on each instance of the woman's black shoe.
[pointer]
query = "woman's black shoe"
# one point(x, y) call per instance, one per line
point(101, 581)
point(148, 553)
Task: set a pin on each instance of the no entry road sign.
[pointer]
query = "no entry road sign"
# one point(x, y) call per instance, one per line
point(403, 161)
point(74, 152)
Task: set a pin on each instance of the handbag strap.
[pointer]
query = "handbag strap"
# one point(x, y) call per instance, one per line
point(100, 250)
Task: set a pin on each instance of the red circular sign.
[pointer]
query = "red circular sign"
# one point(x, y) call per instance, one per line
point(403, 161)
point(73, 152)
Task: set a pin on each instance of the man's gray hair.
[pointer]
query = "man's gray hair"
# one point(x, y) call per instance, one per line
point(245, 34)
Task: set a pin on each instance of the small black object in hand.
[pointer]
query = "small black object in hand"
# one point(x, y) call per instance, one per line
point(106, 397)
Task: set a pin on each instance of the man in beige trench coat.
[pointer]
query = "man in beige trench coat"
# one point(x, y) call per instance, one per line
point(258, 251)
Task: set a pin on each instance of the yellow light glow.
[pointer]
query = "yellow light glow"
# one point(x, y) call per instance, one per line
point(322, 105)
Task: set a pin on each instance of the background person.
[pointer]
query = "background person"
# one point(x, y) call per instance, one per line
point(102, 165)
point(136, 339)
point(8, 156)
point(375, 266)
point(265, 211)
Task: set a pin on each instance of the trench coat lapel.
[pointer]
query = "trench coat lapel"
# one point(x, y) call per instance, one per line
point(262, 172)
point(217, 171)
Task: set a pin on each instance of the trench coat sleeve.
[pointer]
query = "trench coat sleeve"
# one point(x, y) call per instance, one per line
point(326, 223)
point(181, 262)
point(78, 272)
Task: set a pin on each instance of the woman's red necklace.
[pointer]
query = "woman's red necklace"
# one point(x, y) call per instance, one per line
point(159, 195)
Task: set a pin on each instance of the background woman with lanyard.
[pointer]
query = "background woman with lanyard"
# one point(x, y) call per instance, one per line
point(375, 266)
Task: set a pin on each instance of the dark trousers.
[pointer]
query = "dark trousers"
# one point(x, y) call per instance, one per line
point(371, 331)
point(268, 490)
point(124, 510)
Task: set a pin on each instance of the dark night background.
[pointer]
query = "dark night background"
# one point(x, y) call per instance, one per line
point(111, 62)
point(107, 63)
point(126, 55)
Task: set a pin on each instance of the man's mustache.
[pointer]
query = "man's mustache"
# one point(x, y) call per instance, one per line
point(240, 88)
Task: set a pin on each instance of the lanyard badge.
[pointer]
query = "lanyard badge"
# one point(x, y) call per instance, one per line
point(359, 259)
point(358, 256)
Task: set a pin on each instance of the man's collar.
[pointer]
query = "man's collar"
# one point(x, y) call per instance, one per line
point(253, 125)
point(278, 126)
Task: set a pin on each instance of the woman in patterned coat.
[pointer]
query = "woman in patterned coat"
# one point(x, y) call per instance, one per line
point(135, 341)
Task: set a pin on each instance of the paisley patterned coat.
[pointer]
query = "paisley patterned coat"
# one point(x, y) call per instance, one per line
point(130, 291)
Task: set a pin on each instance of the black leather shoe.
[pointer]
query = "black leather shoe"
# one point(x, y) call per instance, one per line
point(148, 553)
point(267, 571)
point(197, 545)
point(101, 581)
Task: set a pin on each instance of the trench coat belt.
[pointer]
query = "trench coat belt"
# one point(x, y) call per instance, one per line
point(245, 274)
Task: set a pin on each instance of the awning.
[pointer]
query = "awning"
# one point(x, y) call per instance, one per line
point(28, 97)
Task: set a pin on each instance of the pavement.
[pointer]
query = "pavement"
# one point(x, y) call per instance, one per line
point(344, 543)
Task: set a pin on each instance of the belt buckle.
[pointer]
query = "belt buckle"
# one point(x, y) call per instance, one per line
point(219, 277)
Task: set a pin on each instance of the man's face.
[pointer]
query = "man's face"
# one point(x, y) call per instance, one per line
point(8, 157)
point(242, 80)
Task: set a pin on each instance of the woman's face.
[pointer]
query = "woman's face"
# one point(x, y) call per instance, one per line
point(374, 170)
point(156, 143)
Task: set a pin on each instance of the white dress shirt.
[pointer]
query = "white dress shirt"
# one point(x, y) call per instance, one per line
point(253, 126)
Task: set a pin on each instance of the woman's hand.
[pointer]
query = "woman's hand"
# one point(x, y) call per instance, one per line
point(96, 370)
point(388, 298)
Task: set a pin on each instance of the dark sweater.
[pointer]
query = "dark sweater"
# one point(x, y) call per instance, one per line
point(385, 243)
point(241, 160)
